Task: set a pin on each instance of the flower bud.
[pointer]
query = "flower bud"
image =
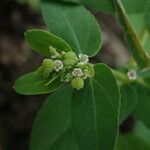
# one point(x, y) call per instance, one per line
point(70, 59)
point(90, 70)
point(48, 66)
point(53, 52)
point(77, 83)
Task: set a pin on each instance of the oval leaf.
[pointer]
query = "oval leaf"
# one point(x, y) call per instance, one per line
point(41, 40)
point(95, 111)
point(147, 15)
point(130, 6)
point(99, 5)
point(75, 25)
point(128, 101)
point(142, 111)
point(51, 129)
point(33, 84)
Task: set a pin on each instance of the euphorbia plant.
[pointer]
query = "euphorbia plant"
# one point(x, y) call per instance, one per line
point(87, 105)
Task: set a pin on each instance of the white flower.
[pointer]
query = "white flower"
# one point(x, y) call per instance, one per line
point(58, 65)
point(132, 75)
point(77, 72)
point(83, 58)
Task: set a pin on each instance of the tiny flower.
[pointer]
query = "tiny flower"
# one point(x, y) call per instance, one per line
point(132, 75)
point(77, 83)
point(58, 65)
point(70, 59)
point(67, 77)
point(54, 53)
point(77, 72)
point(83, 59)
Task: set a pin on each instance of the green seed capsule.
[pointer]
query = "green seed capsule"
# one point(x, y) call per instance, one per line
point(70, 59)
point(48, 66)
point(77, 83)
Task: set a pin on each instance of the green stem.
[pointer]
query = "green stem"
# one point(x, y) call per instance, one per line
point(142, 82)
point(144, 35)
point(121, 76)
point(138, 52)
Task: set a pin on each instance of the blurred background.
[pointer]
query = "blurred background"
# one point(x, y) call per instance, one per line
point(17, 112)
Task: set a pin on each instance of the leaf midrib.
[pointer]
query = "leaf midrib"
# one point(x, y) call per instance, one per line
point(72, 30)
point(95, 113)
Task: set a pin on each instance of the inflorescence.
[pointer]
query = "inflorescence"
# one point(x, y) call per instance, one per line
point(72, 68)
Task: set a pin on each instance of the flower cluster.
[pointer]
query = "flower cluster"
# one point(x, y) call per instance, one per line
point(72, 68)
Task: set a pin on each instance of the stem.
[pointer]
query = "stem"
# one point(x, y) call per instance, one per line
point(142, 82)
point(138, 52)
point(144, 35)
point(121, 76)
point(125, 78)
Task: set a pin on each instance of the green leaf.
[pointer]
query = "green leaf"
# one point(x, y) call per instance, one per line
point(128, 101)
point(33, 84)
point(133, 40)
point(95, 111)
point(134, 6)
point(51, 129)
point(81, 32)
point(144, 73)
point(147, 44)
point(99, 5)
point(142, 111)
point(40, 41)
point(138, 23)
point(138, 140)
point(65, 142)
point(147, 15)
